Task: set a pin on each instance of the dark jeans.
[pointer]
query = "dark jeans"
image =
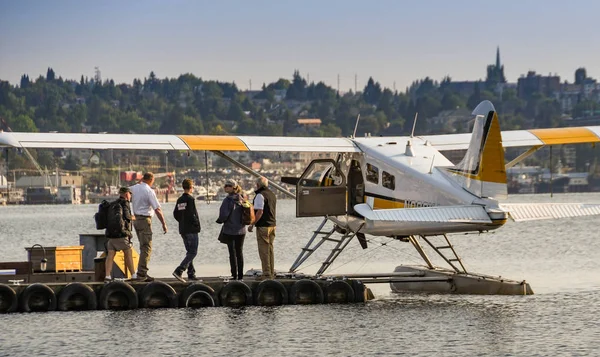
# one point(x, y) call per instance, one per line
point(190, 240)
point(235, 244)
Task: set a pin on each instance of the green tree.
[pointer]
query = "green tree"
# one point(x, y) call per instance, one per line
point(372, 92)
point(50, 75)
point(22, 123)
point(71, 164)
point(236, 113)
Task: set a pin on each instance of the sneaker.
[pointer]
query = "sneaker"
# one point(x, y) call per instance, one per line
point(107, 280)
point(261, 278)
point(178, 276)
point(145, 278)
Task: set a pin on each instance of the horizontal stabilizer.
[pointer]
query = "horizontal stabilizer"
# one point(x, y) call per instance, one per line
point(533, 211)
point(443, 214)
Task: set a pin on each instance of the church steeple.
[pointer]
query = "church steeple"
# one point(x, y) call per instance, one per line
point(498, 57)
point(495, 73)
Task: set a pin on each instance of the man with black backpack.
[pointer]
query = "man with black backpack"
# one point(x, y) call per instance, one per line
point(118, 232)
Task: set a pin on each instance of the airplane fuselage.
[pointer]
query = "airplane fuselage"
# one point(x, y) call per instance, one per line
point(410, 173)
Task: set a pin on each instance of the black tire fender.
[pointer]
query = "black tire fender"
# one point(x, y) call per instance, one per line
point(67, 298)
point(198, 295)
point(339, 292)
point(118, 295)
point(279, 295)
point(37, 297)
point(359, 290)
point(306, 291)
point(158, 294)
point(8, 299)
point(235, 294)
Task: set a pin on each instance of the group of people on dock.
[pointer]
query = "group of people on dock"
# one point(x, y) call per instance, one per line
point(138, 204)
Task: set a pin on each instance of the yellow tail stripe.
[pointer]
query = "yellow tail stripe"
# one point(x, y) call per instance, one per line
point(558, 136)
point(214, 142)
point(492, 167)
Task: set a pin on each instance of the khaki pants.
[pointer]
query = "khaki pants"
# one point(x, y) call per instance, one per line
point(265, 237)
point(143, 229)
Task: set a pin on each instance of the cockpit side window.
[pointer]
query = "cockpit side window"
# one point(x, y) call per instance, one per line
point(388, 180)
point(372, 173)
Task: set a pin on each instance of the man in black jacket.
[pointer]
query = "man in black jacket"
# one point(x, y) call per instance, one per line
point(189, 226)
point(118, 232)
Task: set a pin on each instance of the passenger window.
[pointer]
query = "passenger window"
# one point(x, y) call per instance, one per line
point(372, 173)
point(388, 181)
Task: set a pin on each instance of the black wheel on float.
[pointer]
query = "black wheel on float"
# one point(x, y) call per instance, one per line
point(359, 290)
point(270, 293)
point(77, 296)
point(198, 295)
point(306, 292)
point(118, 295)
point(235, 294)
point(37, 297)
point(158, 294)
point(339, 292)
point(8, 299)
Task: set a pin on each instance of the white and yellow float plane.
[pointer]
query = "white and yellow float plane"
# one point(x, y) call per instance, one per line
point(402, 187)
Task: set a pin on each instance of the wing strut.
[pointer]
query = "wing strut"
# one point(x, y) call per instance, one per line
point(254, 173)
point(523, 156)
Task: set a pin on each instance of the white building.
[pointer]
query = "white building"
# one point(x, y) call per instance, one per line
point(39, 181)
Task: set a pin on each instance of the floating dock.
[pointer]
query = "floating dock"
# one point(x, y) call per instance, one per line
point(78, 291)
point(72, 278)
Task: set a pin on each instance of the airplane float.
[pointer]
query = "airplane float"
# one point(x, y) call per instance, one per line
point(400, 187)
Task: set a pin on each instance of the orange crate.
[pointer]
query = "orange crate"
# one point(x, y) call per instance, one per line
point(59, 258)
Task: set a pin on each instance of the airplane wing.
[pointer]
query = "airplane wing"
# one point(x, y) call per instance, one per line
point(522, 138)
point(176, 142)
point(534, 211)
point(513, 138)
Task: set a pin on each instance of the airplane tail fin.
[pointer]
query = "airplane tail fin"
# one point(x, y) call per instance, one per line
point(482, 170)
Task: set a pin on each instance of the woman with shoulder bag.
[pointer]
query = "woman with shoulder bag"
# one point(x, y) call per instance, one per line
point(233, 231)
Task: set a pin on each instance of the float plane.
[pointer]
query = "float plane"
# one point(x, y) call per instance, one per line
point(400, 187)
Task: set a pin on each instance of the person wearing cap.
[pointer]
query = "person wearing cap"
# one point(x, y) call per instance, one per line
point(265, 204)
point(186, 214)
point(233, 231)
point(118, 232)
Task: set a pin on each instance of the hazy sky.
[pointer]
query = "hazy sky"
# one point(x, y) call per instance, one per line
point(393, 41)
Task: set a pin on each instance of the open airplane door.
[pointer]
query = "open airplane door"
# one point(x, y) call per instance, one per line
point(321, 190)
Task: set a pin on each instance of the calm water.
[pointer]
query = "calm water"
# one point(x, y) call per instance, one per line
point(560, 259)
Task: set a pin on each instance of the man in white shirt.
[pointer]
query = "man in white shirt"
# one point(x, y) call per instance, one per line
point(144, 205)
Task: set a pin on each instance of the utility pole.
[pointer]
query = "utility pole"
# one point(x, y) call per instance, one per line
point(338, 84)
point(250, 83)
point(7, 172)
point(355, 83)
point(166, 161)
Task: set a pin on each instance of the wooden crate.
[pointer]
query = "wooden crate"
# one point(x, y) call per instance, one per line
point(59, 258)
